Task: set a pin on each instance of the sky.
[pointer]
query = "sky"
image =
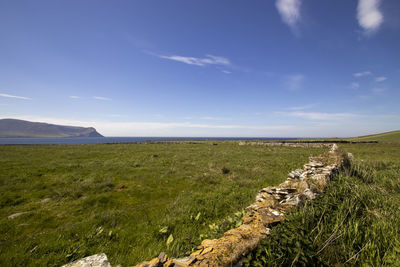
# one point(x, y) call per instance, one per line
point(209, 68)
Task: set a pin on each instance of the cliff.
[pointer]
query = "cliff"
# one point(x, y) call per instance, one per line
point(21, 128)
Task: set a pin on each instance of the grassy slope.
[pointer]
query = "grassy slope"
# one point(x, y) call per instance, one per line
point(383, 137)
point(127, 199)
point(354, 222)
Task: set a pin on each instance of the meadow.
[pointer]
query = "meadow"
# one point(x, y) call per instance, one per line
point(356, 221)
point(130, 201)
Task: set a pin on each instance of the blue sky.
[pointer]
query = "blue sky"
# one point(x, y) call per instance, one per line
point(260, 68)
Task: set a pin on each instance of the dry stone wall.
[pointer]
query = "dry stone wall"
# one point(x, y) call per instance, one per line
point(269, 208)
point(290, 144)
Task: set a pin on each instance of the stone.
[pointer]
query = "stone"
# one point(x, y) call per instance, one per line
point(334, 148)
point(169, 263)
point(97, 260)
point(296, 174)
point(276, 213)
point(309, 194)
point(15, 215)
point(182, 262)
point(45, 200)
point(207, 250)
point(163, 257)
point(155, 263)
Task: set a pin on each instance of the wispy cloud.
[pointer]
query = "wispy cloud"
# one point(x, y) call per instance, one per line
point(378, 90)
point(319, 115)
point(226, 71)
point(380, 79)
point(354, 85)
point(360, 74)
point(303, 107)
point(102, 98)
point(368, 15)
point(314, 128)
point(15, 96)
point(74, 97)
point(207, 60)
point(170, 128)
point(211, 118)
point(294, 82)
point(289, 11)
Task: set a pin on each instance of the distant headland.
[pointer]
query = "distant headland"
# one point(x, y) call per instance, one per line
point(21, 128)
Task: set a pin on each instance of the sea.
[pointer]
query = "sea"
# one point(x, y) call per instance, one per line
point(116, 140)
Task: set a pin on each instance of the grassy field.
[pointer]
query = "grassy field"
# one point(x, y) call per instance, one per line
point(130, 201)
point(356, 222)
point(393, 137)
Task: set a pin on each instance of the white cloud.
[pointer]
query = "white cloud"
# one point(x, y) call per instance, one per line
point(354, 85)
point(289, 11)
point(368, 15)
point(183, 129)
point(208, 60)
point(226, 71)
point(102, 98)
point(380, 79)
point(362, 125)
point(210, 118)
point(303, 107)
point(294, 82)
point(15, 96)
point(319, 115)
point(360, 74)
point(74, 97)
point(378, 90)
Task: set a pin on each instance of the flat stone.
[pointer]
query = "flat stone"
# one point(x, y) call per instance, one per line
point(207, 250)
point(155, 262)
point(276, 213)
point(296, 173)
point(309, 194)
point(97, 260)
point(163, 257)
point(15, 215)
point(45, 200)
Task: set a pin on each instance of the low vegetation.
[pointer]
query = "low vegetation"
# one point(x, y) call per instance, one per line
point(130, 201)
point(393, 136)
point(355, 222)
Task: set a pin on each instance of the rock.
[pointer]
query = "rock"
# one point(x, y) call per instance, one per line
point(163, 257)
point(293, 201)
point(296, 173)
point(309, 194)
point(97, 260)
point(15, 215)
point(155, 263)
point(45, 200)
point(334, 148)
point(207, 250)
point(276, 213)
point(182, 262)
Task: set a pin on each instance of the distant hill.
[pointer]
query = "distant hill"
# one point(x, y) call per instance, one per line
point(393, 136)
point(21, 128)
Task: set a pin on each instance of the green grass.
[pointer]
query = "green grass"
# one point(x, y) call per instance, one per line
point(356, 222)
point(393, 136)
point(127, 200)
